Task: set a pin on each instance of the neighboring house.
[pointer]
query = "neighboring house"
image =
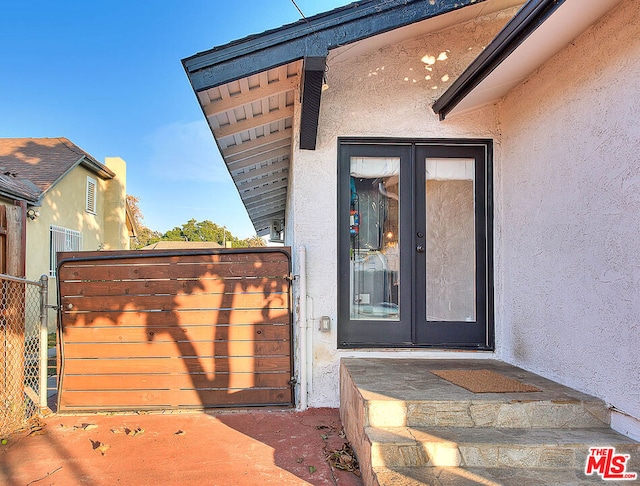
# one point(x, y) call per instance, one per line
point(461, 175)
point(182, 245)
point(15, 195)
point(67, 201)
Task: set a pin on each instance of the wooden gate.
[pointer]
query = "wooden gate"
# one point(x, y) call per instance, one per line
point(144, 330)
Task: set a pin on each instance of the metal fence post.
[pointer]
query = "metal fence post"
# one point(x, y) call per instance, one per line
point(44, 322)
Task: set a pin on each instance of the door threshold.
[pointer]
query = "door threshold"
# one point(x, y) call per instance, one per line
point(417, 353)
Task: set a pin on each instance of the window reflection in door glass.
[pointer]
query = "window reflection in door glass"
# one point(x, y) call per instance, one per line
point(374, 238)
point(450, 220)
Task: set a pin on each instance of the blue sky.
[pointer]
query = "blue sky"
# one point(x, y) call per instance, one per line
point(107, 75)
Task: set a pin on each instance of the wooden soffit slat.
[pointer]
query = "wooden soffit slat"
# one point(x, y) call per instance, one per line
point(251, 96)
point(252, 123)
point(266, 199)
point(257, 143)
point(251, 190)
point(277, 167)
point(261, 158)
point(255, 200)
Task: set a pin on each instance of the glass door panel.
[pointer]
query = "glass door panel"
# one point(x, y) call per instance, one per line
point(452, 285)
point(374, 223)
point(450, 239)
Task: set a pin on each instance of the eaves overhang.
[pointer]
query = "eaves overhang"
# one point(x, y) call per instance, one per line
point(97, 168)
point(247, 90)
point(19, 190)
point(309, 37)
point(89, 163)
point(539, 30)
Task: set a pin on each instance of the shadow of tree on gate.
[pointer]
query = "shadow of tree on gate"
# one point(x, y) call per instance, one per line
point(127, 307)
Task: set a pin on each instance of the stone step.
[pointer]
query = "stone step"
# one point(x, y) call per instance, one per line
point(407, 393)
point(467, 447)
point(409, 426)
point(501, 412)
point(455, 476)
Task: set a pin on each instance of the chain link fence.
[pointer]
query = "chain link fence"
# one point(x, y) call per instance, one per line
point(23, 350)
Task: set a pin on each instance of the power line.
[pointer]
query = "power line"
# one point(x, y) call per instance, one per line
point(298, 8)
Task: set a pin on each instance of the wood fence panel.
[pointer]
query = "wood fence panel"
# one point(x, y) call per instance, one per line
point(158, 381)
point(202, 285)
point(176, 317)
point(196, 366)
point(161, 302)
point(110, 334)
point(143, 330)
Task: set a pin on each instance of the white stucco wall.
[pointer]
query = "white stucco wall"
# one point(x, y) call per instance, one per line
point(568, 199)
point(386, 93)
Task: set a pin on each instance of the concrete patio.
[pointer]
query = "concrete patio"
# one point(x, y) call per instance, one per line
point(257, 446)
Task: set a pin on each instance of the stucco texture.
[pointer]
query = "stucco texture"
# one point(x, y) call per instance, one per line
point(64, 205)
point(384, 93)
point(568, 215)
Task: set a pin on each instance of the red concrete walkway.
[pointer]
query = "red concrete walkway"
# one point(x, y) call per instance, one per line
point(258, 447)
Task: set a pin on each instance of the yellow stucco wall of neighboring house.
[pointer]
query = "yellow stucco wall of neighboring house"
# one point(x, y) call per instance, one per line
point(115, 231)
point(64, 205)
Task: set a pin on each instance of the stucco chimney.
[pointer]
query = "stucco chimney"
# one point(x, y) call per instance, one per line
point(115, 201)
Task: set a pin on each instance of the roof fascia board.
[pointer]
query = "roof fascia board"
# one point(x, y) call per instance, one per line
point(87, 161)
point(313, 37)
point(99, 169)
point(18, 196)
point(311, 92)
point(533, 14)
point(22, 190)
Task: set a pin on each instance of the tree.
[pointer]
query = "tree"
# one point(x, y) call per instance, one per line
point(133, 203)
point(145, 236)
point(255, 241)
point(207, 230)
point(192, 230)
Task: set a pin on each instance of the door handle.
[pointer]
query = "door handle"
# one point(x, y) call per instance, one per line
point(420, 248)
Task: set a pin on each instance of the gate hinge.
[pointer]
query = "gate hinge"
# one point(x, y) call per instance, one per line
point(293, 382)
point(54, 307)
point(291, 277)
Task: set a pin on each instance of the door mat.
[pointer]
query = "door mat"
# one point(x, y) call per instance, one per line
point(484, 381)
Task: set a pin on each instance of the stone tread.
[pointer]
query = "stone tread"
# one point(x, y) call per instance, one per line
point(498, 412)
point(412, 380)
point(454, 476)
point(489, 447)
point(478, 435)
point(406, 392)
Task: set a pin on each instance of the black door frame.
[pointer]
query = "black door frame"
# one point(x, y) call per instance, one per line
point(409, 332)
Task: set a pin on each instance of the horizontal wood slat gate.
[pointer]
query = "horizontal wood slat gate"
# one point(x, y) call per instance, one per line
point(154, 329)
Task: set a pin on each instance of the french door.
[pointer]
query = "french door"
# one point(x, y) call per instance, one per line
point(414, 243)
